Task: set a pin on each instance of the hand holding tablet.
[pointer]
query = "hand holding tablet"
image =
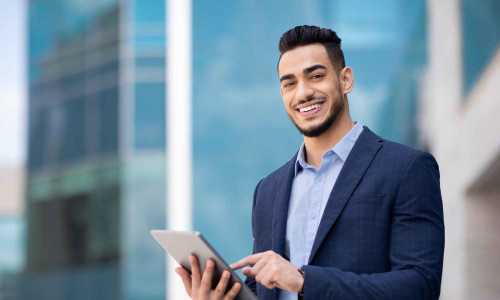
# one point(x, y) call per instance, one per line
point(200, 287)
point(197, 259)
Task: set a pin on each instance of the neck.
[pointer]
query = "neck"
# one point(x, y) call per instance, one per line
point(317, 146)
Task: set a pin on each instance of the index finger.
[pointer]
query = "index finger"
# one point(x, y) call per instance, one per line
point(249, 260)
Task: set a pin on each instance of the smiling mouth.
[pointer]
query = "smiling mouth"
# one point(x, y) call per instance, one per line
point(310, 107)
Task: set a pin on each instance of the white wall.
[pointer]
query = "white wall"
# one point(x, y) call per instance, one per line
point(462, 131)
point(11, 188)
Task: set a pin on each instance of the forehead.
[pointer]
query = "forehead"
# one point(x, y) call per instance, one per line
point(296, 60)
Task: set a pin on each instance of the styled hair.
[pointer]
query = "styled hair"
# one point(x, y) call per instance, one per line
point(307, 35)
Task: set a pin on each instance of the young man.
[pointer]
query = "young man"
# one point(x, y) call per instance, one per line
point(351, 215)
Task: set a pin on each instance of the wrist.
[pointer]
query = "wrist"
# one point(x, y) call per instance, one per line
point(302, 280)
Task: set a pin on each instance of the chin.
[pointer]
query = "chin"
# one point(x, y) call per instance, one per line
point(316, 128)
point(312, 125)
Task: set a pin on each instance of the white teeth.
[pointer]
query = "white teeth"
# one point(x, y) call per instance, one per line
point(309, 107)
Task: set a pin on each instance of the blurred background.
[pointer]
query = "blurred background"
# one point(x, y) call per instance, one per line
point(83, 130)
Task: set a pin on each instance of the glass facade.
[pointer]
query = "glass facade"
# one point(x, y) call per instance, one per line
point(481, 37)
point(96, 169)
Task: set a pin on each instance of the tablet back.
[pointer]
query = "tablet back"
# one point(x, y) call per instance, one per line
point(180, 244)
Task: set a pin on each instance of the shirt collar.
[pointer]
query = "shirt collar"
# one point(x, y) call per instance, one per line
point(341, 149)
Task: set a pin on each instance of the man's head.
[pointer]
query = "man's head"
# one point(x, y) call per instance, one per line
point(314, 79)
point(307, 35)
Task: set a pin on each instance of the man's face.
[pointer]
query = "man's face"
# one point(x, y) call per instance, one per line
point(311, 89)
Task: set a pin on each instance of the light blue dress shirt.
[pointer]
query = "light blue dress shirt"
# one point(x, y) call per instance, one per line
point(310, 192)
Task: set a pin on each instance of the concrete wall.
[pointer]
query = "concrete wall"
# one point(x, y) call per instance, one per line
point(462, 131)
point(12, 189)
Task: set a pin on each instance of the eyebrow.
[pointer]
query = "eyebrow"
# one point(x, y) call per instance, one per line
point(305, 71)
point(313, 68)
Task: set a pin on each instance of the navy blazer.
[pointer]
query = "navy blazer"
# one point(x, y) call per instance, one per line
point(381, 235)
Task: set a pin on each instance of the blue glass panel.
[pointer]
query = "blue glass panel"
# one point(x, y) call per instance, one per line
point(150, 62)
point(12, 234)
point(51, 22)
point(149, 11)
point(149, 42)
point(110, 67)
point(39, 41)
point(12, 247)
point(481, 41)
point(82, 283)
point(108, 121)
point(149, 115)
point(36, 136)
point(72, 126)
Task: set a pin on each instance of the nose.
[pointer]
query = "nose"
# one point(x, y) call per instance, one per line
point(304, 91)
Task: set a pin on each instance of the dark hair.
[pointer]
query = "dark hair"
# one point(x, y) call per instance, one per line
point(307, 35)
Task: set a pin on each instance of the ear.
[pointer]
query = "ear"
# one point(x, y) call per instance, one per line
point(347, 80)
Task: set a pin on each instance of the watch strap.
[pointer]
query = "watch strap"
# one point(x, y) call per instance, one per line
point(303, 272)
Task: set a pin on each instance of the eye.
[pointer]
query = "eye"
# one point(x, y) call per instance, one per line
point(316, 76)
point(288, 84)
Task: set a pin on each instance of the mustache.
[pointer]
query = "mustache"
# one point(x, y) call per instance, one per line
point(312, 98)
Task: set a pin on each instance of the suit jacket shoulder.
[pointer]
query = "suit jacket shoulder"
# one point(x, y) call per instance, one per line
point(274, 177)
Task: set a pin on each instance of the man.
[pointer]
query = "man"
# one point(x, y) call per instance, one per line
point(351, 215)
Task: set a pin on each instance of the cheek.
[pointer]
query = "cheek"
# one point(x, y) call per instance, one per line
point(331, 89)
point(287, 100)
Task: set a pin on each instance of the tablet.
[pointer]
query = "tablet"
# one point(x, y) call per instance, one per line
point(180, 244)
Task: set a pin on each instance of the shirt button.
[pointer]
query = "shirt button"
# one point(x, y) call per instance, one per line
point(319, 178)
point(313, 216)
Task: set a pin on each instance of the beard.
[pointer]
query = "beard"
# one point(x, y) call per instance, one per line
point(334, 111)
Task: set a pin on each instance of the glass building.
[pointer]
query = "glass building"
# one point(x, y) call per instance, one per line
point(12, 258)
point(479, 45)
point(96, 166)
point(96, 171)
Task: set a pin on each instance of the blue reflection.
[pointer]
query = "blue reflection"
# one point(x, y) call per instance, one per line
point(481, 37)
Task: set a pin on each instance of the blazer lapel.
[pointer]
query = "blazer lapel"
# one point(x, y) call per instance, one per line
point(354, 168)
point(280, 210)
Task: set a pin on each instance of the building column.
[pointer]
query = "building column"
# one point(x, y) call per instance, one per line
point(179, 132)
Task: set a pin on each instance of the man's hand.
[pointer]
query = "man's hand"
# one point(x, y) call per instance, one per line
point(200, 288)
point(271, 270)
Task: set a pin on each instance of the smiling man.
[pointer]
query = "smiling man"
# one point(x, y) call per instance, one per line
point(351, 215)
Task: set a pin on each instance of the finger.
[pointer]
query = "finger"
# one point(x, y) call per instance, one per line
point(249, 260)
point(222, 285)
point(233, 291)
point(206, 280)
point(260, 275)
point(195, 272)
point(255, 269)
point(186, 279)
point(264, 277)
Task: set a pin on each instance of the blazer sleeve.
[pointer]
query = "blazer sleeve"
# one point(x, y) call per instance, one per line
point(250, 282)
point(416, 246)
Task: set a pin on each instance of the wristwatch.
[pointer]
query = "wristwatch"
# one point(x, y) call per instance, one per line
point(302, 271)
